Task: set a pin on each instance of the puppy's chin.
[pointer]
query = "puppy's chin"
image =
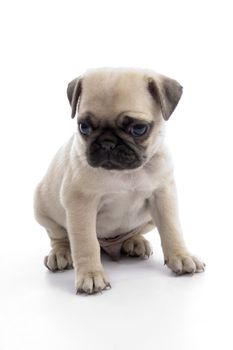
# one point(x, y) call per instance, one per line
point(109, 165)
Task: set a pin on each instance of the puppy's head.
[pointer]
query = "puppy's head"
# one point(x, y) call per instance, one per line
point(121, 115)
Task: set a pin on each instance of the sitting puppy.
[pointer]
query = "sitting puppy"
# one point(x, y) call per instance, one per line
point(113, 180)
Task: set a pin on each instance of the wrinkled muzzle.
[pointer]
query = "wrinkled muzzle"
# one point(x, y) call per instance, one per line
point(112, 154)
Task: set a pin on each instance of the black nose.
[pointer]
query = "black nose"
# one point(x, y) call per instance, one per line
point(108, 145)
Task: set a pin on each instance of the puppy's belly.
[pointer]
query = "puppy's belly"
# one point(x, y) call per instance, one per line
point(121, 213)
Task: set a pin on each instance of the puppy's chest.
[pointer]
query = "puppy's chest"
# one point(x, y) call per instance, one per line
point(122, 211)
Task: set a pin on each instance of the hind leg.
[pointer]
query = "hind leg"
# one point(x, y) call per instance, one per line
point(137, 246)
point(59, 257)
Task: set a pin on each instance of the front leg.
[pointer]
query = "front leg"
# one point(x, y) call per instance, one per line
point(164, 211)
point(81, 214)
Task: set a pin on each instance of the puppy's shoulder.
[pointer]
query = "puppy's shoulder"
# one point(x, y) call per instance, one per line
point(160, 166)
point(59, 164)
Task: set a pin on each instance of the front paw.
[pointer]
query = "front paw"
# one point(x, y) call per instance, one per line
point(91, 282)
point(184, 263)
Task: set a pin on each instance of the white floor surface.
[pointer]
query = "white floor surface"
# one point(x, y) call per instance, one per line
point(147, 307)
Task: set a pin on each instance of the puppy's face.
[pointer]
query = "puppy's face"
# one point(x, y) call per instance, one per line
point(121, 115)
point(115, 145)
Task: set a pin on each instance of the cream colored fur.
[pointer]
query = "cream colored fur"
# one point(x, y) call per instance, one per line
point(77, 203)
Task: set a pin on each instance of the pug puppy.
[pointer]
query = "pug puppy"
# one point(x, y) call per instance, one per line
point(113, 180)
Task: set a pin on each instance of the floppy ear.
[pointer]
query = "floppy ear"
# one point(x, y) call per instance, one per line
point(167, 92)
point(73, 93)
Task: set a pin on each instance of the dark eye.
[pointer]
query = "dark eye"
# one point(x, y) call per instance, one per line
point(85, 128)
point(138, 129)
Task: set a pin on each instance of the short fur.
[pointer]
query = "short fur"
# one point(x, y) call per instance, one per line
point(80, 200)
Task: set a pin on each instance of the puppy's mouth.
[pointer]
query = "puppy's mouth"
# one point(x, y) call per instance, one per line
point(111, 166)
point(114, 157)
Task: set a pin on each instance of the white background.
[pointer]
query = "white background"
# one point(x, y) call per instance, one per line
point(45, 44)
